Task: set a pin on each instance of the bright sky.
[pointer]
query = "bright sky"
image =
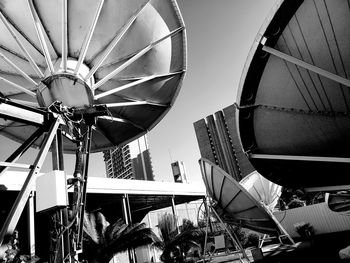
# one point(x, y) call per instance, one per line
point(219, 34)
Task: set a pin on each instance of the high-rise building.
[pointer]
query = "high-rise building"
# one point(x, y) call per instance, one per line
point(218, 142)
point(131, 161)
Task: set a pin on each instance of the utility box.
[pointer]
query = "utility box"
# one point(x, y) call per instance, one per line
point(51, 191)
point(219, 242)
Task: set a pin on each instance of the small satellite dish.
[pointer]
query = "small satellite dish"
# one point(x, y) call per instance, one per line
point(233, 202)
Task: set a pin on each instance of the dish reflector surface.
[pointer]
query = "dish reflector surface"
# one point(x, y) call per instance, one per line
point(234, 202)
point(294, 95)
point(127, 54)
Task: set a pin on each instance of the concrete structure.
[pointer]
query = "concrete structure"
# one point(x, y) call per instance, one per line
point(219, 143)
point(131, 161)
point(115, 198)
point(319, 216)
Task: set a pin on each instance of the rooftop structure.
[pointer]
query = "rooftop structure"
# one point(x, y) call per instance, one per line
point(107, 193)
point(179, 172)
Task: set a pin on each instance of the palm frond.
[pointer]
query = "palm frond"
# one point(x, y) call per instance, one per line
point(114, 230)
point(167, 227)
point(101, 224)
point(132, 236)
point(90, 227)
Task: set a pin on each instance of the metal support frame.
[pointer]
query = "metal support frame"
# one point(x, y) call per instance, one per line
point(125, 210)
point(48, 123)
point(84, 186)
point(18, 112)
point(208, 224)
point(233, 236)
point(299, 158)
point(281, 228)
point(128, 220)
point(128, 208)
point(207, 210)
point(18, 206)
point(31, 224)
point(22, 149)
point(306, 65)
point(64, 34)
point(41, 36)
point(58, 164)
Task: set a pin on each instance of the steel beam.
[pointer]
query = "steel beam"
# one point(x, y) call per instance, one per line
point(22, 149)
point(15, 67)
point(133, 103)
point(279, 225)
point(64, 35)
point(24, 102)
point(125, 210)
point(134, 83)
point(16, 165)
point(136, 57)
point(19, 87)
point(128, 209)
point(84, 186)
point(20, 202)
point(31, 225)
point(300, 158)
point(21, 46)
point(307, 66)
point(62, 215)
point(39, 30)
point(114, 42)
point(15, 113)
point(123, 87)
point(88, 37)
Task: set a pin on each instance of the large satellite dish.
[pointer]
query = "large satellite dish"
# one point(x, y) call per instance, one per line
point(127, 55)
point(233, 201)
point(83, 76)
point(294, 95)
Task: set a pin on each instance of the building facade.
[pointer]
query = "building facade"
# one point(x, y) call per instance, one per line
point(131, 161)
point(218, 141)
point(179, 172)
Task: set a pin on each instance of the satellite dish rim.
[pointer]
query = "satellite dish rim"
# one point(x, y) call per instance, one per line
point(260, 206)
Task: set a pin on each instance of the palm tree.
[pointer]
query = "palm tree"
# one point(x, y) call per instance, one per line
point(173, 243)
point(103, 240)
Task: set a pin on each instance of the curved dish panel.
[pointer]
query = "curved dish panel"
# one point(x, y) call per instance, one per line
point(262, 189)
point(339, 202)
point(233, 202)
point(294, 95)
point(127, 54)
